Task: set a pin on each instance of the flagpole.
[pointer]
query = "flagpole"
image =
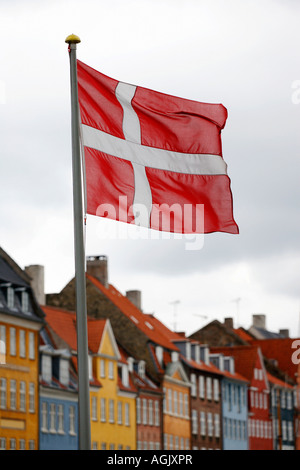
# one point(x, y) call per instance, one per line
point(79, 246)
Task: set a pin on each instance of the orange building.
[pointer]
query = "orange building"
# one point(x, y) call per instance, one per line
point(20, 321)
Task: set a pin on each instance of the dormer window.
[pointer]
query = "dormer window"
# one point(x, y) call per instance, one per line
point(141, 368)
point(64, 371)
point(10, 297)
point(188, 351)
point(125, 375)
point(46, 368)
point(159, 354)
point(174, 356)
point(25, 301)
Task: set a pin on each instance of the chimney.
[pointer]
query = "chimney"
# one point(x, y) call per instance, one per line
point(36, 273)
point(97, 267)
point(259, 321)
point(228, 322)
point(135, 296)
point(284, 333)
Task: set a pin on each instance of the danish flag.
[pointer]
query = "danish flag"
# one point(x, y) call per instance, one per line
point(153, 159)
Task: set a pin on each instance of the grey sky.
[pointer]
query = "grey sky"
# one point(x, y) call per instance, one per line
point(242, 54)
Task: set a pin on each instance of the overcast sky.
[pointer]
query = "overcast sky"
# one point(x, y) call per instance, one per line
point(243, 54)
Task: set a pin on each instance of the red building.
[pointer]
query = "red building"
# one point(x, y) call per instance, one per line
point(249, 363)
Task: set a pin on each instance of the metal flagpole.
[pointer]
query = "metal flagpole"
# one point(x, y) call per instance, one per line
point(79, 241)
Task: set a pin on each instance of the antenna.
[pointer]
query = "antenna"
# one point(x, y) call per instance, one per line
point(175, 303)
point(237, 301)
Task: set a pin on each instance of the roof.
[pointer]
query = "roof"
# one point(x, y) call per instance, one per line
point(282, 350)
point(275, 381)
point(11, 272)
point(243, 334)
point(133, 313)
point(245, 358)
point(63, 323)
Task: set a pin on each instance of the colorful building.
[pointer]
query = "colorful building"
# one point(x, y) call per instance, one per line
point(250, 364)
point(112, 391)
point(20, 322)
point(234, 404)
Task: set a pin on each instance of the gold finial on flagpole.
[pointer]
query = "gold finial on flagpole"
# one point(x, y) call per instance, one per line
point(72, 39)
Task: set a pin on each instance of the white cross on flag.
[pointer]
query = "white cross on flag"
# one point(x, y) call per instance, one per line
point(152, 159)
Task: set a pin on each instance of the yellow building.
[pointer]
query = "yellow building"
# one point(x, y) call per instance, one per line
point(113, 396)
point(176, 408)
point(20, 322)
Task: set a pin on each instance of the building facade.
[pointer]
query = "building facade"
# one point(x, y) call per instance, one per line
point(20, 322)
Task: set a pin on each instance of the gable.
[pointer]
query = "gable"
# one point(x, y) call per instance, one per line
point(108, 345)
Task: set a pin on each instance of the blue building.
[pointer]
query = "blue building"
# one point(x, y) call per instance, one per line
point(282, 410)
point(234, 404)
point(58, 404)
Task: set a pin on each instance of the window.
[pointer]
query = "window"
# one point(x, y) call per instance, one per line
point(138, 411)
point(209, 424)
point(265, 401)
point(125, 375)
point(176, 442)
point(289, 401)
point(208, 388)
point(261, 400)
point(72, 420)
point(31, 339)
point(194, 387)
point(22, 343)
point(170, 408)
point(64, 371)
point(31, 444)
point(159, 354)
point(46, 368)
point(12, 444)
point(175, 402)
point(201, 386)
point(111, 411)
point(171, 442)
point(31, 397)
point(60, 419)
point(25, 301)
point(229, 395)
point(156, 413)
point(94, 408)
point(194, 422)
point(145, 421)
point(165, 400)
point(186, 405)
point(103, 410)
point(44, 417)
point(10, 297)
point(217, 425)
point(284, 431)
point(22, 388)
point(12, 341)
point(110, 370)
point(52, 417)
point(139, 445)
point(283, 400)
point(21, 444)
point(2, 344)
point(180, 404)
point(150, 412)
point(166, 441)
point(127, 415)
point(3, 394)
point(2, 443)
point(202, 423)
point(120, 413)
point(102, 368)
point(216, 389)
point(13, 394)
point(290, 430)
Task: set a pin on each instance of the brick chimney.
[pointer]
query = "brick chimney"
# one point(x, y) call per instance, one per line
point(228, 322)
point(97, 267)
point(36, 273)
point(135, 296)
point(259, 321)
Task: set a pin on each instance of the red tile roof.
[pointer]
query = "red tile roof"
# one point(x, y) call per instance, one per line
point(243, 334)
point(63, 323)
point(276, 381)
point(281, 350)
point(245, 358)
point(133, 313)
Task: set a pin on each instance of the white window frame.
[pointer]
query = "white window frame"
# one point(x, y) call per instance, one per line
point(72, 420)
point(127, 414)
point(110, 370)
point(2, 344)
point(102, 368)
point(3, 393)
point(22, 343)
point(22, 392)
point(150, 410)
point(31, 341)
point(217, 425)
point(103, 410)
point(13, 394)
point(202, 423)
point(94, 408)
point(145, 411)
point(111, 406)
point(44, 423)
point(12, 341)
point(156, 413)
point(120, 412)
point(31, 397)
point(216, 387)
point(60, 420)
point(209, 388)
point(138, 410)
point(52, 418)
point(201, 386)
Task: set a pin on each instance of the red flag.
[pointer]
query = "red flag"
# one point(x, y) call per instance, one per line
point(153, 159)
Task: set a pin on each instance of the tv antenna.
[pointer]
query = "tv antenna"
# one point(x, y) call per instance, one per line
point(175, 303)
